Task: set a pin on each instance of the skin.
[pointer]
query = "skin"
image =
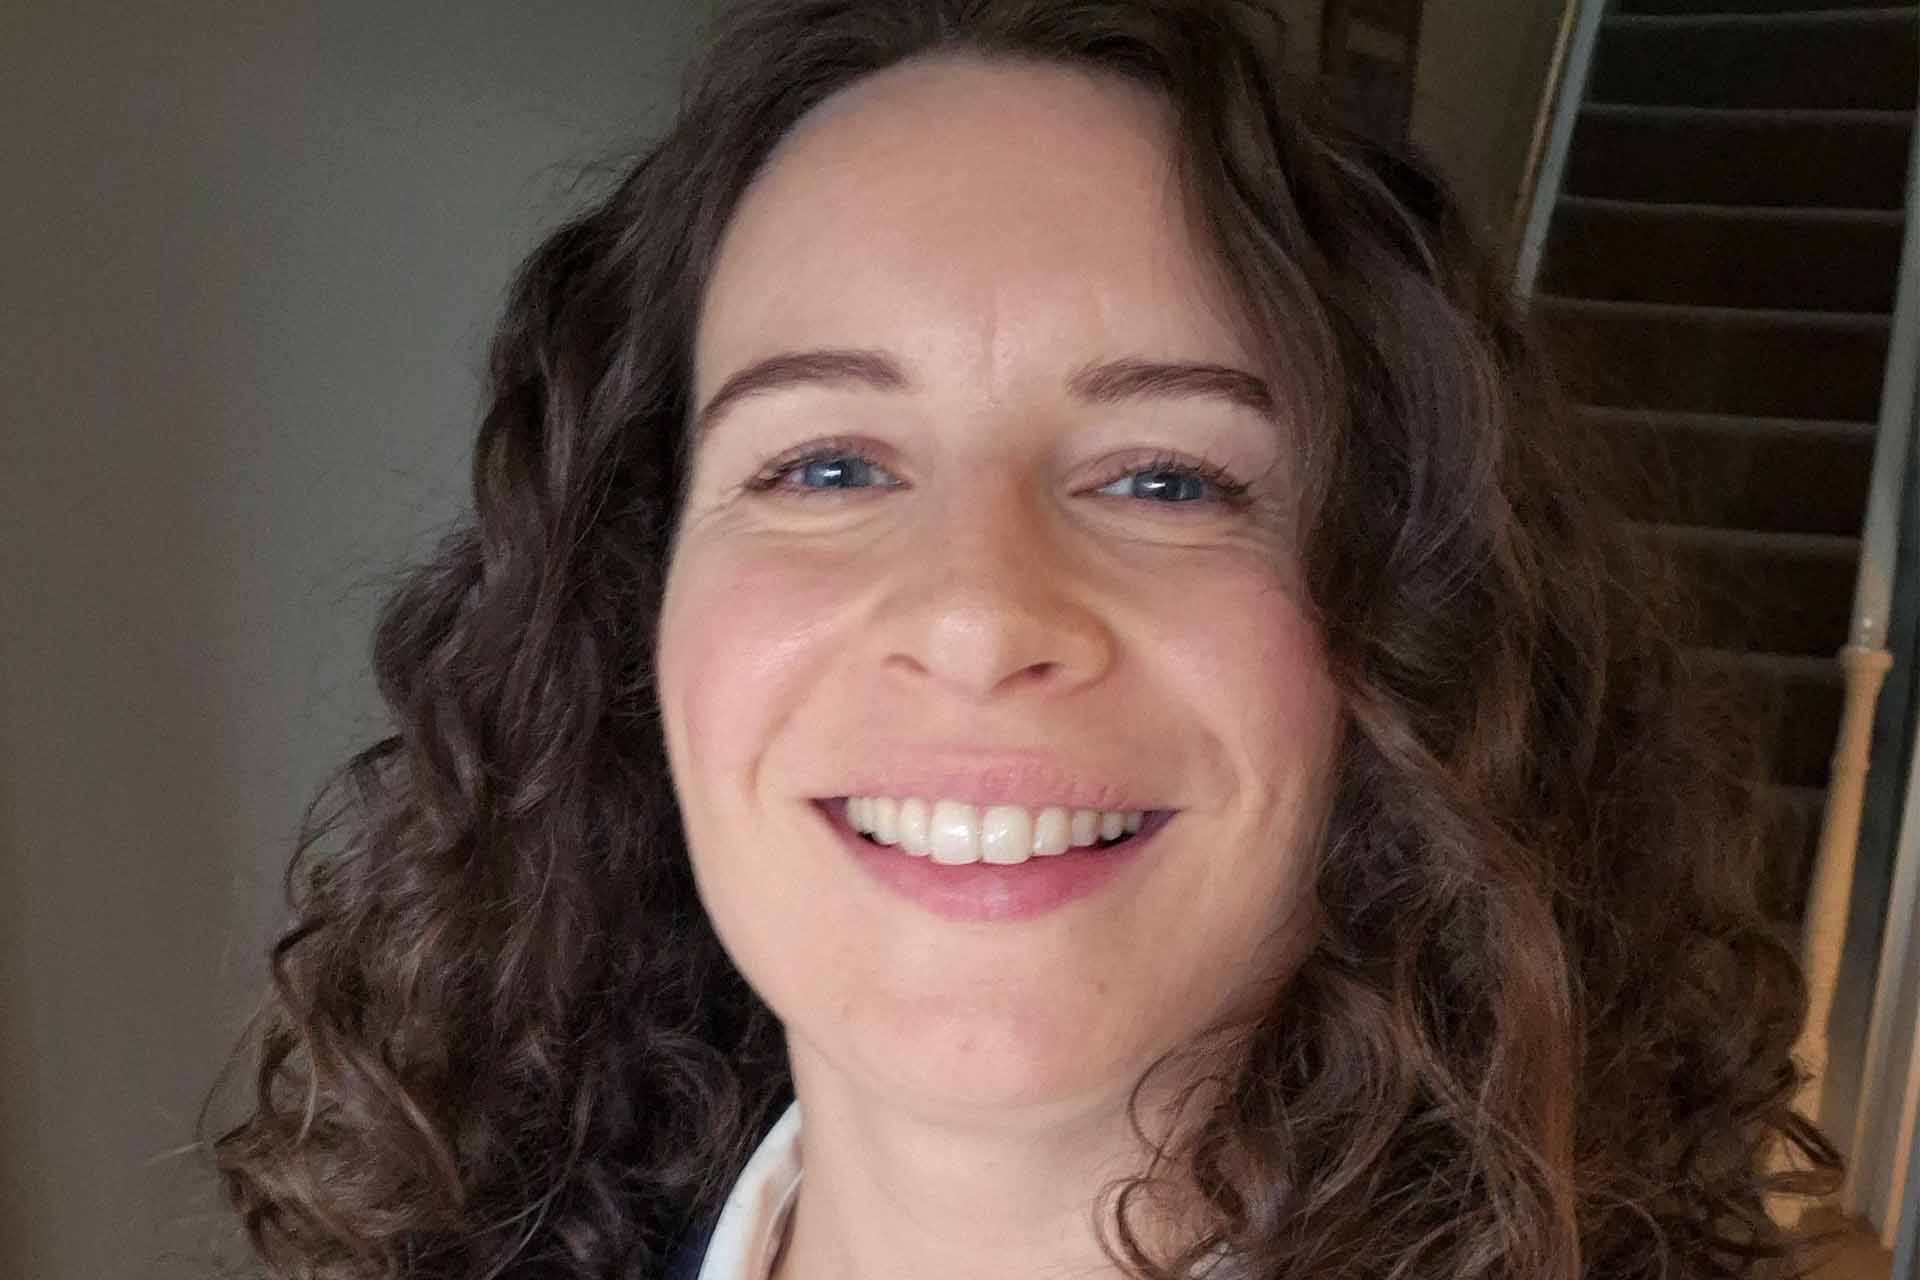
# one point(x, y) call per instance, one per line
point(995, 227)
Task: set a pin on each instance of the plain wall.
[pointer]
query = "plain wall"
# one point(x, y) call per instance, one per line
point(1480, 70)
point(249, 258)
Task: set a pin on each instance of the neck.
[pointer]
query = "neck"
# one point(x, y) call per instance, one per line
point(940, 1194)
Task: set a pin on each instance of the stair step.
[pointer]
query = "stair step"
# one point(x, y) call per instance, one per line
point(1851, 13)
point(1772, 317)
point(1772, 363)
point(1827, 432)
point(1747, 115)
point(1812, 670)
point(1786, 593)
point(1769, 543)
point(1746, 6)
point(1847, 159)
point(1786, 474)
point(1796, 215)
point(1838, 58)
point(1813, 259)
point(1798, 700)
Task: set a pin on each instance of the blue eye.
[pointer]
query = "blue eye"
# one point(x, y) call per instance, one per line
point(1165, 480)
point(820, 470)
point(1168, 480)
point(836, 473)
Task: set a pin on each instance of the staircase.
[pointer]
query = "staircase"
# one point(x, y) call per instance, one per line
point(1721, 258)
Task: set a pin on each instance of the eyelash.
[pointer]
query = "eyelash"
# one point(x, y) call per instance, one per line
point(1231, 492)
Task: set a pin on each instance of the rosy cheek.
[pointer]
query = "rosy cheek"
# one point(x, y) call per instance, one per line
point(1293, 652)
point(742, 628)
point(1265, 675)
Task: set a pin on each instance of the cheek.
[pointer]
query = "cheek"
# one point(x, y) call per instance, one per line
point(1248, 659)
point(1245, 650)
point(1297, 721)
point(739, 632)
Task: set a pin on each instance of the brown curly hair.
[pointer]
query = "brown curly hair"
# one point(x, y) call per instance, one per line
point(1545, 1031)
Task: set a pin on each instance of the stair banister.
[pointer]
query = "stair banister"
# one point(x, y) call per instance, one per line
point(1559, 111)
point(1865, 663)
point(1882, 1148)
point(1833, 884)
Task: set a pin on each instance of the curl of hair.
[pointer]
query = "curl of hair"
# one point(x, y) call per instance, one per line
point(1545, 1032)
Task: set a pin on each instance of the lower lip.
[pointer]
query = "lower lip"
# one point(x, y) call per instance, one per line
point(990, 891)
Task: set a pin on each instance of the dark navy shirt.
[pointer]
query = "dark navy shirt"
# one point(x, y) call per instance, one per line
point(684, 1262)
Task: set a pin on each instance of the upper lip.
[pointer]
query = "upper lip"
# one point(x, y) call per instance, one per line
point(1033, 780)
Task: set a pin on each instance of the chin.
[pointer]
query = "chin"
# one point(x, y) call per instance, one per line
point(965, 1069)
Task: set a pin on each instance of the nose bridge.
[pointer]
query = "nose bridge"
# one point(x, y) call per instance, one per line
point(987, 533)
point(989, 594)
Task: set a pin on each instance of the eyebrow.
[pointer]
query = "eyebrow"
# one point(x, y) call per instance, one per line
point(1107, 382)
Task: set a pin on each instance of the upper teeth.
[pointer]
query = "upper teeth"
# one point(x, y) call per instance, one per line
point(952, 832)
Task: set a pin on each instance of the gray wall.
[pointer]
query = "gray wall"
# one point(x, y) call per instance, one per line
point(1480, 68)
point(249, 255)
point(1476, 93)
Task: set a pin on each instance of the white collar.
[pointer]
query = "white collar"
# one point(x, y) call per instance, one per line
point(747, 1234)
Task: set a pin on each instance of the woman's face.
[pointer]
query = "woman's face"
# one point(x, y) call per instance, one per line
point(997, 587)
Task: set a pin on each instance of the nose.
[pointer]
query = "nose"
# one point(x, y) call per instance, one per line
point(986, 599)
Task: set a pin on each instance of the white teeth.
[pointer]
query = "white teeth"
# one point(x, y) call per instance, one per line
point(954, 833)
point(885, 814)
point(1052, 832)
point(1086, 827)
point(1006, 834)
point(913, 828)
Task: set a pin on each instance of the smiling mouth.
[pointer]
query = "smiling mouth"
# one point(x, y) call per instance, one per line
point(1124, 837)
point(836, 810)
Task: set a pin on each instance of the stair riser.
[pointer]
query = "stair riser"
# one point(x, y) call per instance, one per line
point(1769, 602)
point(1815, 483)
point(1636, 360)
point(1809, 265)
point(1719, 160)
point(1801, 716)
point(1871, 64)
point(1792, 835)
point(1801, 746)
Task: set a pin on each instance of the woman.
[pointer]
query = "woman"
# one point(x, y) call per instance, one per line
point(1035, 687)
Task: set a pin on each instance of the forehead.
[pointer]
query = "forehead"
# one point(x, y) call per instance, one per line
point(994, 217)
